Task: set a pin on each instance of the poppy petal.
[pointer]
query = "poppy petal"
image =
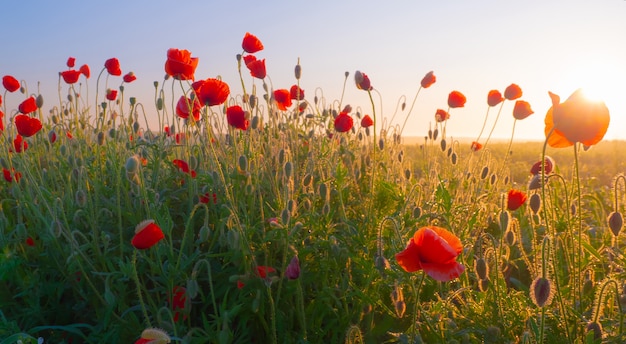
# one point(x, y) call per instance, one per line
point(444, 272)
point(409, 258)
point(434, 248)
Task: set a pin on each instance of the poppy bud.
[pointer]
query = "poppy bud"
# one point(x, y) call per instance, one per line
point(535, 203)
point(504, 220)
point(443, 144)
point(159, 104)
point(596, 328)
point(481, 268)
point(136, 127)
point(39, 101)
point(381, 144)
point(306, 181)
point(81, 198)
point(298, 71)
point(132, 100)
point(255, 122)
point(541, 291)
point(417, 212)
point(132, 164)
point(156, 84)
point(616, 221)
point(155, 336)
point(100, 138)
point(484, 172)
point(483, 284)
point(407, 174)
point(509, 236)
point(147, 234)
point(435, 133)
point(285, 216)
point(453, 158)
point(288, 169)
point(400, 307)
point(243, 163)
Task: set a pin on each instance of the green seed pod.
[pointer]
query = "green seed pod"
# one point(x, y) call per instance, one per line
point(159, 104)
point(288, 169)
point(242, 164)
point(132, 100)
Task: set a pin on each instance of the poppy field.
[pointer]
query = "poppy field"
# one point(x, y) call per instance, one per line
point(280, 216)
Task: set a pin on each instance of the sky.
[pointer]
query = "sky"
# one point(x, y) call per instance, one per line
point(472, 47)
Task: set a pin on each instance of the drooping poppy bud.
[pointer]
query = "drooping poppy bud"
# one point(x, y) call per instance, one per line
point(147, 234)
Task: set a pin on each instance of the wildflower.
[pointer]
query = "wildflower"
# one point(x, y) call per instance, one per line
point(257, 68)
point(180, 65)
point(248, 59)
point(541, 291)
point(367, 121)
point(236, 117)
point(206, 197)
point(282, 98)
point(251, 44)
point(575, 120)
point(179, 297)
point(456, 99)
point(433, 249)
point(515, 199)
point(548, 166)
point(522, 110)
point(10, 83)
point(441, 115)
point(494, 98)
point(147, 234)
point(184, 167)
point(129, 77)
point(182, 108)
point(30, 241)
point(211, 91)
point(19, 144)
point(512, 92)
point(240, 284)
point(263, 271)
point(343, 122)
point(296, 93)
point(84, 69)
point(293, 269)
point(153, 336)
point(70, 62)
point(70, 76)
point(111, 94)
point(113, 66)
point(27, 106)
point(27, 126)
point(475, 147)
point(428, 80)
point(362, 81)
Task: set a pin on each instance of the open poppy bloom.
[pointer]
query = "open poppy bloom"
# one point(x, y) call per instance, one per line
point(522, 110)
point(367, 121)
point(282, 97)
point(111, 94)
point(129, 77)
point(512, 92)
point(179, 297)
point(184, 167)
point(251, 44)
point(494, 98)
point(476, 146)
point(362, 81)
point(515, 199)
point(27, 126)
point(456, 99)
point(441, 115)
point(236, 117)
point(85, 70)
point(433, 249)
point(343, 122)
point(70, 76)
point(182, 108)
point(27, 106)
point(263, 271)
point(153, 336)
point(296, 93)
point(147, 234)
point(180, 65)
point(10, 83)
point(257, 68)
point(428, 79)
point(19, 144)
point(211, 91)
point(71, 61)
point(578, 119)
point(113, 66)
point(548, 166)
point(10, 175)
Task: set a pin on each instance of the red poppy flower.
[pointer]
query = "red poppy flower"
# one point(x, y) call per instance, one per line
point(70, 76)
point(30, 242)
point(182, 108)
point(343, 122)
point(211, 91)
point(515, 199)
point(236, 117)
point(113, 66)
point(71, 61)
point(362, 81)
point(249, 58)
point(85, 70)
point(433, 249)
point(180, 65)
point(129, 77)
point(27, 106)
point(494, 98)
point(441, 115)
point(282, 98)
point(206, 198)
point(27, 126)
point(512, 92)
point(476, 146)
point(456, 99)
point(257, 69)
point(19, 144)
point(147, 234)
point(548, 166)
point(1, 120)
point(578, 119)
point(10, 175)
point(179, 297)
point(10, 83)
point(522, 110)
point(428, 79)
point(251, 44)
point(111, 94)
point(296, 93)
point(263, 271)
point(367, 121)
point(1, 104)
point(184, 167)
point(293, 269)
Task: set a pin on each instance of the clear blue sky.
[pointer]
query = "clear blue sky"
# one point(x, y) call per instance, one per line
point(472, 46)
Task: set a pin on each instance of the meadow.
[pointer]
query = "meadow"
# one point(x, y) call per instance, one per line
point(279, 216)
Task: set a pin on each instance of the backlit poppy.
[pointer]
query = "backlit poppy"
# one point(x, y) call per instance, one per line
point(251, 44)
point(70, 62)
point(147, 234)
point(282, 97)
point(578, 119)
point(512, 92)
point(236, 117)
point(248, 58)
point(153, 336)
point(179, 297)
point(129, 77)
point(70, 76)
point(211, 91)
point(296, 93)
point(367, 121)
point(27, 126)
point(30, 241)
point(19, 144)
point(515, 199)
point(548, 166)
point(494, 98)
point(7, 175)
point(257, 69)
point(182, 108)
point(10, 83)
point(456, 99)
point(362, 81)
point(1, 119)
point(180, 65)
point(522, 110)
point(475, 147)
point(85, 70)
point(433, 249)
point(113, 66)
point(428, 79)
point(27, 106)
point(184, 167)
point(343, 122)
point(441, 115)
point(111, 94)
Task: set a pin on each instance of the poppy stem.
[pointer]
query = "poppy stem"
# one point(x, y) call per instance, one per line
point(494, 125)
point(138, 290)
point(410, 109)
point(578, 274)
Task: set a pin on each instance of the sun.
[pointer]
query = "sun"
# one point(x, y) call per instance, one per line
point(598, 76)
